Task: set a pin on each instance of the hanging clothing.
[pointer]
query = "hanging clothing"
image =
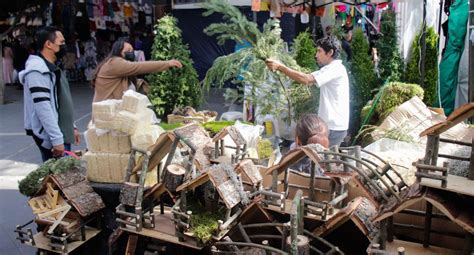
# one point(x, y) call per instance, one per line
point(449, 66)
point(89, 58)
point(7, 65)
point(127, 10)
point(148, 14)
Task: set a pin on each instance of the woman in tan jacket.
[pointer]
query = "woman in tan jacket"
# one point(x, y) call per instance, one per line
point(112, 76)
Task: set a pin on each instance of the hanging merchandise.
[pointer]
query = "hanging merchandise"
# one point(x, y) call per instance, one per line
point(127, 10)
point(256, 5)
point(148, 14)
point(89, 58)
point(134, 13)
point(276, 8)
point(320, 11)
point(341, 8)
point(304, 18)
point(265, 5)
point(449, 66)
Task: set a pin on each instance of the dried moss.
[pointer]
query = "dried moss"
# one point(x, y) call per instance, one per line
point(393, 95)
point(33, 181)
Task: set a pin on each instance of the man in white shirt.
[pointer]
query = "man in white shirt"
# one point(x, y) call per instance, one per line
point(333, 82)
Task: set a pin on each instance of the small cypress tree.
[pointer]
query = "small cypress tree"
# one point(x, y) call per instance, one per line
point(175, 87)
point(431, 65)
point(391, 64)
point(304, 52)
point(363, 78)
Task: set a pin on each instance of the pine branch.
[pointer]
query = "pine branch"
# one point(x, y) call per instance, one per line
point(268, 91)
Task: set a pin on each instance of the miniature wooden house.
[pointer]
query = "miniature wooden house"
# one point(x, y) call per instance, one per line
point(133, 194)
point(429, 164)
point(354, 220)
point(240, 148)
point(228, 190)
point(316, 189)
point(426, 220)
point(337, 168)
point(74, 189)
point(250, 173)
point(65, 204)
point(257, 233)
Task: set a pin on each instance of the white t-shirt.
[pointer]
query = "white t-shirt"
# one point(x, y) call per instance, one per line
point(334, 95)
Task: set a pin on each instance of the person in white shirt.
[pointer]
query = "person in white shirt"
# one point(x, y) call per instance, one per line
point(333, 81)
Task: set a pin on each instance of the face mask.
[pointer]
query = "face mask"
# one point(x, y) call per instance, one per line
point(130, 56)
point(62, 51)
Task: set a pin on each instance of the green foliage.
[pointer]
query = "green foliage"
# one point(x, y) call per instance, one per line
point(431, 65)
point(362, 67)
point(175, 87)
point(168, 127)
point(204, 225)
point(215, 126)
point(363, 80)
point(391, 64)
point(304, 52)
point(393, 95)
point(264, 149)
point(33, 181)
point(270, 91)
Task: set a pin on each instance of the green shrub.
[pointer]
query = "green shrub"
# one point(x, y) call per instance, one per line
point(363, 80)
point(390, 65)
point(304, 52)
point(431, 65)
point(175, 87)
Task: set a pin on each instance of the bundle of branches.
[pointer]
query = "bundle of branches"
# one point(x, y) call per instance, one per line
point(270, 91)
point(33, 181)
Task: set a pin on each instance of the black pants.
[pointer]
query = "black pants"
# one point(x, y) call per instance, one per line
point(47, 153)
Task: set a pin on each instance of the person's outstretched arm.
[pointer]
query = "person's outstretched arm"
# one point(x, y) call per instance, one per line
point(300, 77)
point(124, 68)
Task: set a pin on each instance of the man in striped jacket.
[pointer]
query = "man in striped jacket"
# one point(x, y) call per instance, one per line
point(48, 107)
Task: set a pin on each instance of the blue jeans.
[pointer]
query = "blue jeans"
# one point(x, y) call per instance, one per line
point(336, 137)
point(47, 153)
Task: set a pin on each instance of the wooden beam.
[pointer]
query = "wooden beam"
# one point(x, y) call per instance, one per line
point(192, 184)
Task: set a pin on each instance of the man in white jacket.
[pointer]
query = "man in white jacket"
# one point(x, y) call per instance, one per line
point(48, 109)
point(333, 81)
